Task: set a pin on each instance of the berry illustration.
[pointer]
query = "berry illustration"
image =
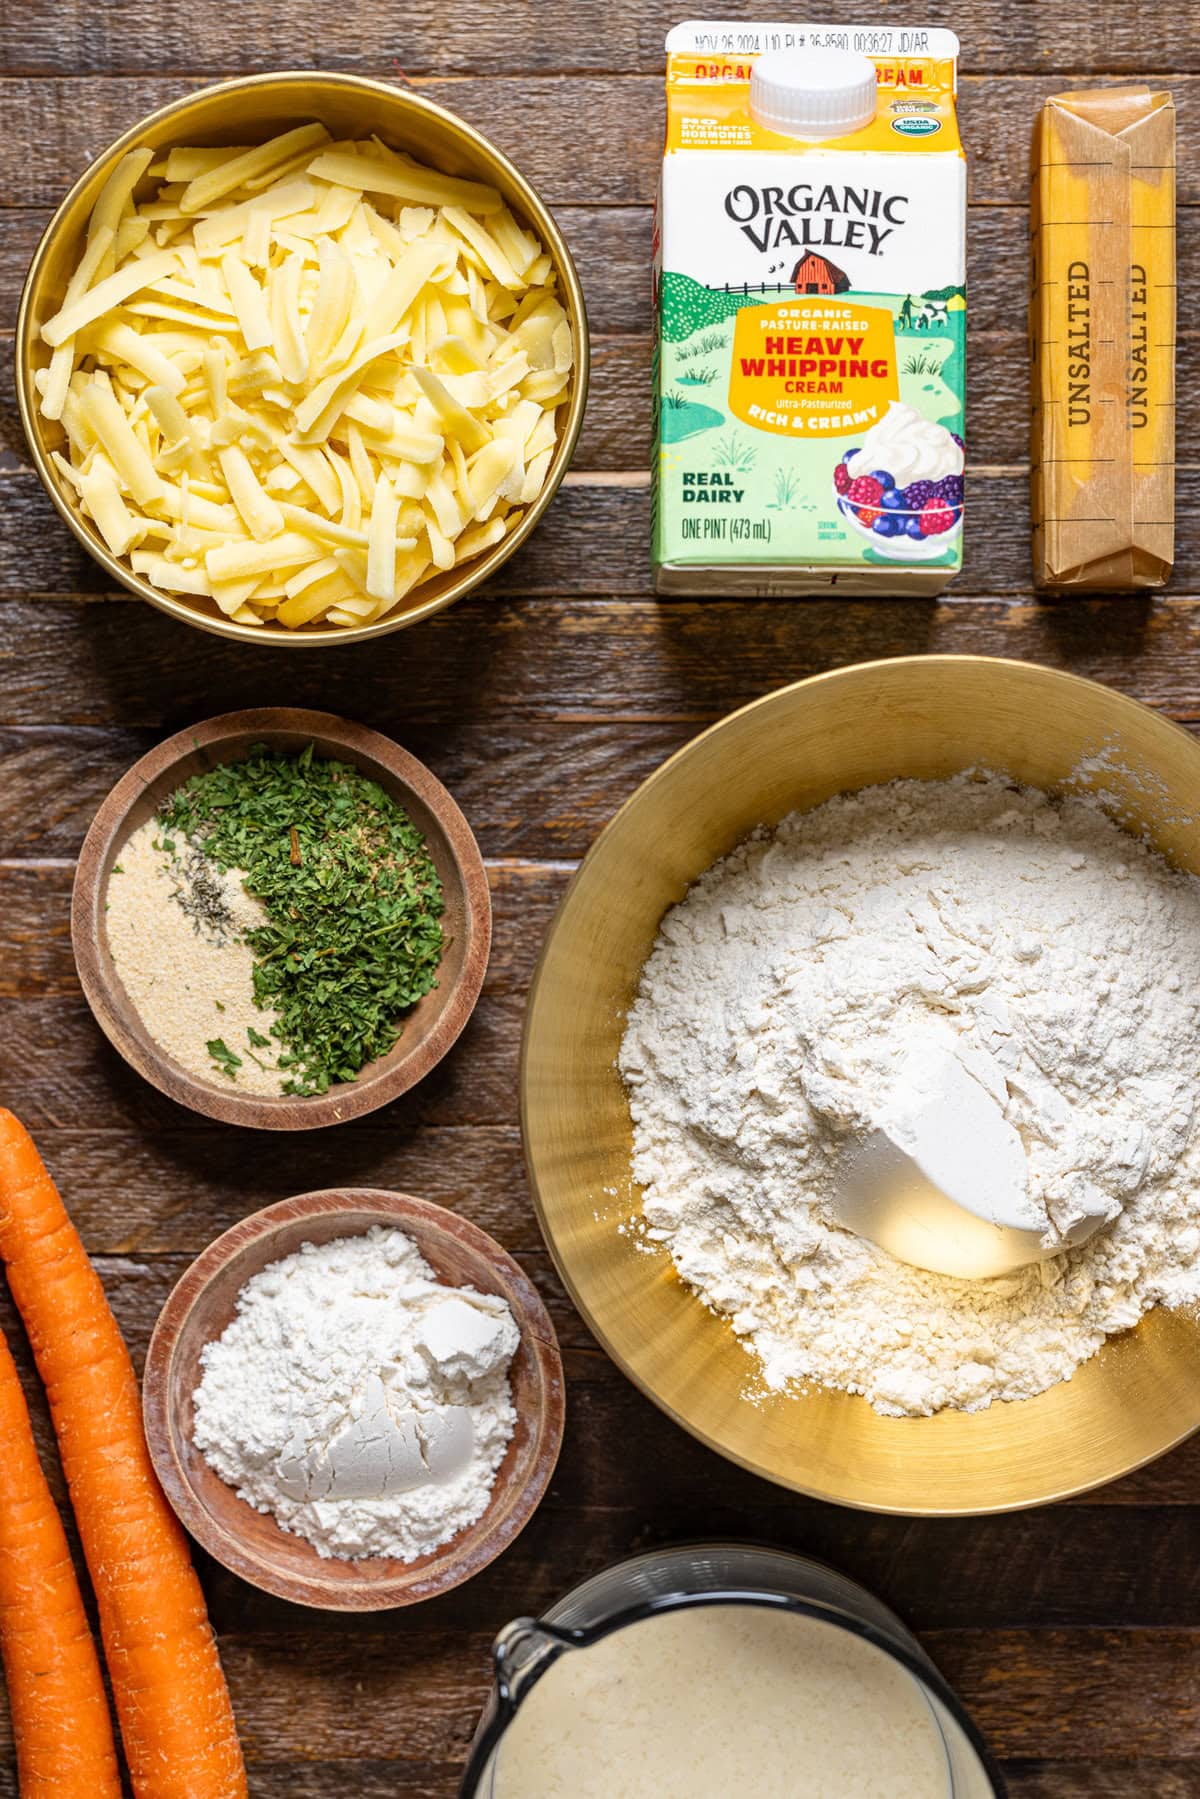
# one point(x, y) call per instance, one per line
point(936, 517)
point(958, 440)
point(912, 527)
point(886, 525)
point(950, 489)
point(883, 477)
point(893, 500)
point(866, 491)
point(841, 477)
point(916, 494)
point(866, 515)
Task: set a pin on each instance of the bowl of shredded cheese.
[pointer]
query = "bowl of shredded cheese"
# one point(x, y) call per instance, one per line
point(301, 358)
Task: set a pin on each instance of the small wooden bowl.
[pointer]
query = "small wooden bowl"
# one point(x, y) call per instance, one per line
point(250, 1543)
point(429, 1029)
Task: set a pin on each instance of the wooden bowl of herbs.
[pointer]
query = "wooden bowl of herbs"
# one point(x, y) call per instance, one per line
point(281, 919)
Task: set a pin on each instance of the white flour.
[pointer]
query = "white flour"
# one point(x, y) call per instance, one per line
point(776, 1006)
point(360, 1402)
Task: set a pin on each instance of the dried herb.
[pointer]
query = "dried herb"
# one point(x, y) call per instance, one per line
point(197, 890)
point(224, 1057)
point(354, 903)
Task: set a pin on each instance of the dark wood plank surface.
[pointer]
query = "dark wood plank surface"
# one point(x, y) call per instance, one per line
point(1073, 1632)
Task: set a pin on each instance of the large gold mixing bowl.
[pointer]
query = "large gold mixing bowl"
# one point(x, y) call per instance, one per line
point(926, 717)
point(248, 110)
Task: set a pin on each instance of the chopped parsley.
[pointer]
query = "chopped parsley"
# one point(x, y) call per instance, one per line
point(224, 1057)
point(353, 936)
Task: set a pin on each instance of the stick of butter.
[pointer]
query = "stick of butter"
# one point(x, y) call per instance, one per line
point(1102, 340)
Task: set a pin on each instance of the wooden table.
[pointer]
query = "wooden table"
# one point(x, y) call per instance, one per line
point(1073, 1633)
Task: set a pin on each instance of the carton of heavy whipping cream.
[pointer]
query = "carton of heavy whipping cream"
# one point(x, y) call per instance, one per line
point(810, 281)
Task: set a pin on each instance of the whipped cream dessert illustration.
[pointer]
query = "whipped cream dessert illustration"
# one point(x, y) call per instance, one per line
point(912, 448)
point(904, 483)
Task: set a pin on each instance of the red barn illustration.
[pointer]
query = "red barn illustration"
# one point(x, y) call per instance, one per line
point(813, 274)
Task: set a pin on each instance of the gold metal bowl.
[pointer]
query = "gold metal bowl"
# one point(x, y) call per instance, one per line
point(250, 110)
point(926, 717)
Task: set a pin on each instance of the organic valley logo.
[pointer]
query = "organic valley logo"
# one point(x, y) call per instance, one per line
point(848, 218)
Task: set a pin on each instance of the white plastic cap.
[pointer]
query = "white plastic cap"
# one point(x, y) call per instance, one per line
point(813, 93)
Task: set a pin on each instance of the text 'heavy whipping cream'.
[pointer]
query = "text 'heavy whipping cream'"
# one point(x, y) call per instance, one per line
point(810, 275)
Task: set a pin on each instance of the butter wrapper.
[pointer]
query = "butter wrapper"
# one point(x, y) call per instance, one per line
point(1102, 340)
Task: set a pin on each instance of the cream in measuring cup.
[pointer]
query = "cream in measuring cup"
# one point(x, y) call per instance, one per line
point(706, 1701)
point(810, 278)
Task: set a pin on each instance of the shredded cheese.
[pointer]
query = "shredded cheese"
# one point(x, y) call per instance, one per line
point(241, 168)
point(297, 379)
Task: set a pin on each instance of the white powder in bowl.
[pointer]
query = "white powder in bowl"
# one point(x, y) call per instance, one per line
point(360, 1402)
point(777, 1005)
point(186, 966)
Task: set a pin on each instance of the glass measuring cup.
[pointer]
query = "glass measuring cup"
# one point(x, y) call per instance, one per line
point(715, 1574)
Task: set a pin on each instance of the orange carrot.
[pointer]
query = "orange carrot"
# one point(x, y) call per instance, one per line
point(56, 1695)
point(176, 1721)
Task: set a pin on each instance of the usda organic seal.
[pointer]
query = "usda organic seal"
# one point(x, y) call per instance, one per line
point(916, 125)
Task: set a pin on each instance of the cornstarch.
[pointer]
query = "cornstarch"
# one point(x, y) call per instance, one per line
point(777, 1005)
point(360, 1402)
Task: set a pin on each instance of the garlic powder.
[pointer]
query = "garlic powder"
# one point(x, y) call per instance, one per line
point(176, 928)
